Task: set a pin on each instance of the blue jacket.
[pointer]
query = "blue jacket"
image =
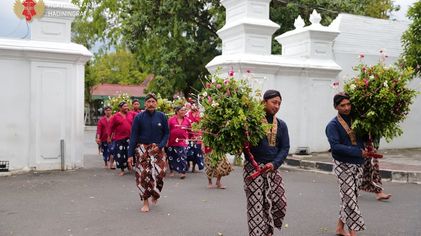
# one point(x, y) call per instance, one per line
point(149, 128)
point(340, 143)
point(263, 153)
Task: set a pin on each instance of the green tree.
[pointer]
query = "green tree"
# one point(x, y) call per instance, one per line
point(411, 39)
point(119, 67)
point(174, 39)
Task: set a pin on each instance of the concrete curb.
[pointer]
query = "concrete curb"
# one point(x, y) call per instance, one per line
point(399, 176)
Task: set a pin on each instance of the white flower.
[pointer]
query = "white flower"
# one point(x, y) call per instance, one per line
point(371, 77)
point(205, 94)
point(214, 104)
point(385, 84)
point(352, 87)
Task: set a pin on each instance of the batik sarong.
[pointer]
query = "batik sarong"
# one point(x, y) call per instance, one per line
point(121, 148)
point(372, 181)
point(349, 179)
point(266, 201)
point(195, 155)
point(177, 156)
point(150, 171)
point(105, 149)
point(222, 168)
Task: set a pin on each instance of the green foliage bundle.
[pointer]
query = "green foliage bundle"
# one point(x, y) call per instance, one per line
point(411, 39)
point(230, 111)
point(164, 105)
point(114, 101)
point(381, 100)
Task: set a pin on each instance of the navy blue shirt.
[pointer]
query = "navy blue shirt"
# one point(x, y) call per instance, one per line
point(340, 143)
point(149, 128)
point(263, 153)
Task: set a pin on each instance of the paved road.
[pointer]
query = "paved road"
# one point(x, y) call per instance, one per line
point(95, 201)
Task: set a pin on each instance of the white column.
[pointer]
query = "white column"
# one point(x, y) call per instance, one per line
point(248, 28)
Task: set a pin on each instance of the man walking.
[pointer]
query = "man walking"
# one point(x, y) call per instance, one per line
point(266, 201)
point(120, 134)
point(348, 154)
point(102, 133)
point(149, 135)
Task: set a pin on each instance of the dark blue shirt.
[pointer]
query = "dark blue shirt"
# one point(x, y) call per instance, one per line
point(149, 128)
point(340, 143)
point(263, 153)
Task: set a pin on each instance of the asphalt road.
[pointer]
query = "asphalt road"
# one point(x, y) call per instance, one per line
point(96, 201)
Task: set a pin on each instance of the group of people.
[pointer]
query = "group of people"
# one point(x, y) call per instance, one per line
point(151, 133)
point(147, 141)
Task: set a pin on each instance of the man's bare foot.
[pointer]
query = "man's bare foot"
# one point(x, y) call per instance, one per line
point(154, 201)
point(340, 231)
point(352, 233)
point(382, 196)
point(145, 209)
point(121, 173)
point(220, 186)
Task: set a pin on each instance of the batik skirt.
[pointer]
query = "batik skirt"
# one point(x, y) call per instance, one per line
point(150, 171)
point(177, 156)
point(266, 201)
point(106, 151)
point(195, 155)
point(349, 179)
point(121, 148)
point(372, 181)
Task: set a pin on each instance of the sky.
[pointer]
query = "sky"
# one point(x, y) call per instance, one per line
point(13, 27)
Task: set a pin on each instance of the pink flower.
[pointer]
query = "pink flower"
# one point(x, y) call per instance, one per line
point(335, 85)
point(248, 71)
point(366, 82)
point(218, 86)
point(231, 72)
point(363, 69)
point(207, 85)
point(226, 81)
point(361, 56)
point(209, 99)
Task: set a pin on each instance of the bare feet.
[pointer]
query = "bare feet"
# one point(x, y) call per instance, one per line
point(182, 176)
point(154, 201)
point(352, 233)
point(171, 174)
point(121, 173)
point(382, 196)
point(145, 207)
point(220, 186)
point(340, 231)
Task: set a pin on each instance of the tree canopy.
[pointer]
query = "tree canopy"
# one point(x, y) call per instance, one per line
point(412, 39)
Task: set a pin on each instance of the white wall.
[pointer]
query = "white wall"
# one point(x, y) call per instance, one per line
point(42, 83)
point(314, 57)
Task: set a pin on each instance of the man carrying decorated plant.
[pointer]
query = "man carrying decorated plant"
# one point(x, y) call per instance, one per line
point(149, 135)
point(348, 154)
point(266, 201)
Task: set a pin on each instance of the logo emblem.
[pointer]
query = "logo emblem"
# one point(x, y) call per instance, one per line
point(29, 9)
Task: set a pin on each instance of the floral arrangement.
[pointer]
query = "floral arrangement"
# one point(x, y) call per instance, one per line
point(114, 101)
point(380, 98)
point(164, 105)
point(232, 116)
